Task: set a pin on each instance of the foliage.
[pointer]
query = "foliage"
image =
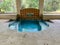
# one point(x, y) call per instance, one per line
point(51, 5)
point(7, 6)
point(10, 5)
point(30, 4)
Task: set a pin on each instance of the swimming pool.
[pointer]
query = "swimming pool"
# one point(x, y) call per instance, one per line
point(28, 25)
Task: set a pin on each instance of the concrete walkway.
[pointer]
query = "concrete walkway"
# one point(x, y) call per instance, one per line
point(49, 36)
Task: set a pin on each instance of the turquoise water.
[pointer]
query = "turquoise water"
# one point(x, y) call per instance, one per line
point(28, 26)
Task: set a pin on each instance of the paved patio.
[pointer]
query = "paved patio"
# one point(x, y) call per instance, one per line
point(49, 36)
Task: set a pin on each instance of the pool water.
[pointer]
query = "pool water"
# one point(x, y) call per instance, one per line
point(28, 25)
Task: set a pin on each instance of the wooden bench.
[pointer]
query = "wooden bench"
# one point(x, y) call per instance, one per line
point(24, 14)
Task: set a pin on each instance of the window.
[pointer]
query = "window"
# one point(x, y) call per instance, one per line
point(14, 6)
point(52, 7)
point(7, 6)
point(29, 4)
